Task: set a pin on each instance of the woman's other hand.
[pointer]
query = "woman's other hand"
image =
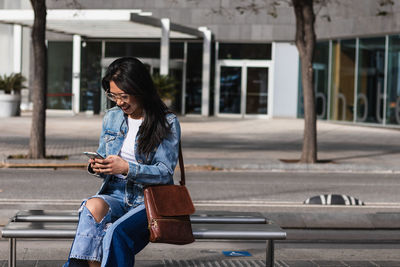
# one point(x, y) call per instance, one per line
point(111, 165)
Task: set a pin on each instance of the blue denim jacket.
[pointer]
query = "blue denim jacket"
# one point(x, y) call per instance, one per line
point(156, 168)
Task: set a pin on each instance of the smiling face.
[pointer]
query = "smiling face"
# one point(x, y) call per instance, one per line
point(131, 107)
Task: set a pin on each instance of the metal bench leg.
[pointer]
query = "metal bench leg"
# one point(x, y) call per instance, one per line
point(270, 254)
point(12, 258)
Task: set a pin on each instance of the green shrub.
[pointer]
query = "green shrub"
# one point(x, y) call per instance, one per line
point(165, 85)
point(11, 82)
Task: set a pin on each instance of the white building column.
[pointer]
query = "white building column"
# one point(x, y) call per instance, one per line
point(283, 88)
point(76, 73)
point(164, 50)
point(17, 49)
point(184, 72)
point(205, 92)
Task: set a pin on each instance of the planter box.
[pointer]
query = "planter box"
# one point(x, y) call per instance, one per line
point(9, 105)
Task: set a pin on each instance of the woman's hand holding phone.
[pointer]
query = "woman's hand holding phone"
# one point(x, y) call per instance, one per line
point(111, 165)
point(95, 164)
point(92, 159)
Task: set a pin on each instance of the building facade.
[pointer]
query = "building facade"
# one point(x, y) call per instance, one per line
point(254, 64)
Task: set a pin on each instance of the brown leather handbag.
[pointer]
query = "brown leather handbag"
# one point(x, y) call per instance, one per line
point(168, 209)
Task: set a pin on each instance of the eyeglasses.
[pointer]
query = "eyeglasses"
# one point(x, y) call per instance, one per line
point(115, 97)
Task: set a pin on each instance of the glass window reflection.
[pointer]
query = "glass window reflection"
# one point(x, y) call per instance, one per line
point(371, 72)
point(393, 81)
point(342, 87)
point(230, 90)
point(320, 78)
point(257, 91)
point(91, 77)
point(137, 49)
point(193, 78)
point(244, 51)
point(59, 75)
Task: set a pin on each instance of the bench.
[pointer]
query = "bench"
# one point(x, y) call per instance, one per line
point(205, 224)
point(198, 217)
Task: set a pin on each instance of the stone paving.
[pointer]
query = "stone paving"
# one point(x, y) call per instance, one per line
point(225, 142)
point(224, 263)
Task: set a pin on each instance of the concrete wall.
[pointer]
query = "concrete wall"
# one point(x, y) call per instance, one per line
point(347, 18)
point(284, 91)
point(6, 49)
point(7, 43)
point(357, 18)
point(225, 22)
point(15, 4)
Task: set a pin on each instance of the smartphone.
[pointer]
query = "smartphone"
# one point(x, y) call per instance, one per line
point(93, 155)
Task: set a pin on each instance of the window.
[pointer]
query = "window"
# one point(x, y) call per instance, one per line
point(320, 81)
point(59, 75)
point(343, 75)
point(244, 51)
point(393, 81)
point(371, 72)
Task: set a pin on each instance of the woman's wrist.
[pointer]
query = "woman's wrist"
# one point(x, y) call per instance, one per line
point(126, 168)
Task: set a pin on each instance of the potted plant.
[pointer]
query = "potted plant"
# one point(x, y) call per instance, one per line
point(10, 94)
point(166, 88)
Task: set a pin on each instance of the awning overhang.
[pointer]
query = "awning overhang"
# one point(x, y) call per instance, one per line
point(109, 24)
point(98, 23)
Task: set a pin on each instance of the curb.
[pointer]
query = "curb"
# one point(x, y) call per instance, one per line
point(42, 165)
point(297, 167)
point(201, 165)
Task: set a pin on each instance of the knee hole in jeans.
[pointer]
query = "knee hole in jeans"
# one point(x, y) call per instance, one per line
point(97, 207)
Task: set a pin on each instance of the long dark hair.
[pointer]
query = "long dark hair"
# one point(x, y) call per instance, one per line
point(132, 77)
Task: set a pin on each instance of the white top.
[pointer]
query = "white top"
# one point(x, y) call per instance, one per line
point(128, 147)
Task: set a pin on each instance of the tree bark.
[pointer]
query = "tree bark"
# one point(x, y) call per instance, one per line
point(305, 42)
point(37, 143)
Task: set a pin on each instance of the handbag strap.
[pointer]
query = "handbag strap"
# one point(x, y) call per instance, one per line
point(181, 166)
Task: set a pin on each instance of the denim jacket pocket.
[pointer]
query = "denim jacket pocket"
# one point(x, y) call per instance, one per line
point(109, 139)
point(109, 136)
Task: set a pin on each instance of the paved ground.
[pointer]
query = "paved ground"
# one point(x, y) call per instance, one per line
point(225, 143)
point(225, 263)
point(209, 254)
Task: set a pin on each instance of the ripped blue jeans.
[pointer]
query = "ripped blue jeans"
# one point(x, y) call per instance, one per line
point(116, 239)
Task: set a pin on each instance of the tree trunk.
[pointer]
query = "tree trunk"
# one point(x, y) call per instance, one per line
point(37, 143)
point(305, 42)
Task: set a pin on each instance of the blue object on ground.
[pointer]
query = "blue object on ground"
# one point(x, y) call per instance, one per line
point(236, 253)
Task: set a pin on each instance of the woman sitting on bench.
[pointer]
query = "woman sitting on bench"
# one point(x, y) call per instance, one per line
point(139, 143)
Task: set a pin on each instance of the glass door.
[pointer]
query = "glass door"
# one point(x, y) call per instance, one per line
point(242, 88)
point(230, 90)
point(257, 91)
point(59, 78)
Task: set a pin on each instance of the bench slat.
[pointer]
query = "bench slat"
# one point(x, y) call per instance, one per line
point(238, 231)
point(200, 231)
point(199, 217)
point(38, 230)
